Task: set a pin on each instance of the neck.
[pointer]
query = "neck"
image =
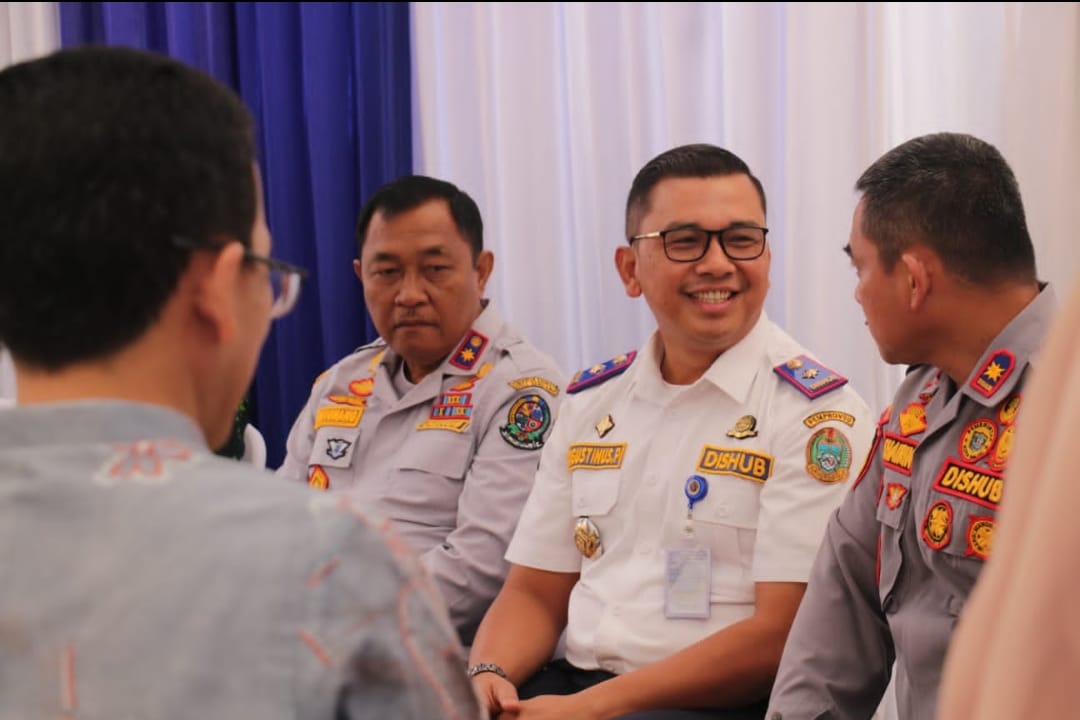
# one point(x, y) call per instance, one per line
point(972, 322)
point(682, 367)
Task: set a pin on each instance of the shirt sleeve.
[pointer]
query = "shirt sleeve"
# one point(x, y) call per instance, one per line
point(838, 657)
point(468, 566)
point(301, 438)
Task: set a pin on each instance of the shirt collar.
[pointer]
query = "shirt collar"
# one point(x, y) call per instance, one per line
point(480, 339)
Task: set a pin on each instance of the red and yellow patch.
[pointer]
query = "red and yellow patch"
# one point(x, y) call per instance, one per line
point(338, 416)
point(970, 483)
point(894, 495)
point(1009, 410)
point(1000, 457)
point(898, 454)
point(318, 478)
point(913, 419)
point(977, 439)
point(937, 525)
point(980, 536)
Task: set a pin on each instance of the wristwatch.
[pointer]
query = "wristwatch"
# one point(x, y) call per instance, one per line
point(486, 667)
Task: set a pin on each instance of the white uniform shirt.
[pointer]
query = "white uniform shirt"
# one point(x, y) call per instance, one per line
point(763, 526)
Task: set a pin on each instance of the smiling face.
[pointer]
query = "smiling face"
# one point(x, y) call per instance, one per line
point(702, 308)
point(422, 285)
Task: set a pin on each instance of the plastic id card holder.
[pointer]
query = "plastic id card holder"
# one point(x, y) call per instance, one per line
point(687, 581)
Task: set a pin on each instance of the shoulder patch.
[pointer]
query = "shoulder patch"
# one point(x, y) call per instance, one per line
point(598, 374)
point(994, 372)
point(810, 377)
point(537, 382)
point(468, 352)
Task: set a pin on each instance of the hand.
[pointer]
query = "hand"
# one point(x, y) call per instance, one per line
point(497, 694)
point(555, 707)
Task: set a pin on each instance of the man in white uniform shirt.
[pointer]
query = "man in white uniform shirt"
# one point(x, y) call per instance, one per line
point(684, 492)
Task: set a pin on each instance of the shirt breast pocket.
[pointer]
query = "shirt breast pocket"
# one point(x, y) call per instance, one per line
point(593, 492)
point(428, 477)
point(726, 522)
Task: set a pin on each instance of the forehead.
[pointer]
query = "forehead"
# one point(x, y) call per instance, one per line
point(424, 228)
point(861, 247)
point(711, 202)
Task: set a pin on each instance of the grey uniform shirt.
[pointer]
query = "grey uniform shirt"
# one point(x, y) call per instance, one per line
point(903, 551)
point(450, 462)
point(144, 577)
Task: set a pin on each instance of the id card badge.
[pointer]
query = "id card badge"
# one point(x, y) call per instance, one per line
point(687, 581)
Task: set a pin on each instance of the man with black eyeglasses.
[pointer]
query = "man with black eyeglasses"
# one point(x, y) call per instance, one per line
point(142, 576)
point(686, 487)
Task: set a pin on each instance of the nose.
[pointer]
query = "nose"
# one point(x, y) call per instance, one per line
point(858, 294)
point(411, 291)
point(715, 260)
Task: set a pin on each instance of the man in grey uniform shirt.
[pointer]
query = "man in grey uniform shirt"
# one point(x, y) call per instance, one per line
point(144, 577)
point(947, 281)
point(438, 424)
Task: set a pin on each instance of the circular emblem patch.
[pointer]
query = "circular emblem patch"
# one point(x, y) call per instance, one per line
point(1004, 447)
point(1009, 409)
point(937, 526)
point(828, 456)
point(977, 439)
point(980, 537)
point(527, 421)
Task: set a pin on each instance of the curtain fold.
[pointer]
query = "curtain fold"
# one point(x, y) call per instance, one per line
point(329, 87)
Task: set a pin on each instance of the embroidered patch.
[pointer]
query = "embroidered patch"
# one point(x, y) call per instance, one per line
point(454, 425)
point(930, 388)
point(828, 456)
point(1000, 456)
point(745, 464)
point(980, 536)
point(970, 483)
point(537, 382)
point(994, 372)
point(595, 456)
point(469, 350)
point(362, 388)
point(913, 419)
point(1009, 409)
point(470, 383)
point(528, 420)
point(898, 454)
point(600, 373)
point(829, 416)
point(745, 427)
point(977, 439)
point(337, 447)
point(894, 494)
point(338, 416)
point(318, 478)
point(606, 424)
point(810, 377)
point(144, 461)
point(937, 525)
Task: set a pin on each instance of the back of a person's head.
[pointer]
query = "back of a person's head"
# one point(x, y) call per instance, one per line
point(698, 160)
point(108, 157)
point(410, 192)
point(956, 194)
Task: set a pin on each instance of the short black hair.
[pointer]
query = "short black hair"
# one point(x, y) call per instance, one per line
point(698, 160)
point(956, 194)
point(107, 156)
point(410, 192)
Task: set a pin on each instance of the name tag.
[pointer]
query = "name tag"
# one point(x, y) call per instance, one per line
point(595, 456)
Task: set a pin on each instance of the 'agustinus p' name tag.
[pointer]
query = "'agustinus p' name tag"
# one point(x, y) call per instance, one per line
point(687, 581)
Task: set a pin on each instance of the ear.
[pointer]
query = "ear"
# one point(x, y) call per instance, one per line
point(485, 262)
point(919, 278)
point(626, 260)
point(216, 281)
point(358, 270)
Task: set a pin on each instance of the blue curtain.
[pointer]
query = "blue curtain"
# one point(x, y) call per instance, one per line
point(329, 85)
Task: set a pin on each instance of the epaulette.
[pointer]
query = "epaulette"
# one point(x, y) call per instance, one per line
point(810, 377)
point(603, 372)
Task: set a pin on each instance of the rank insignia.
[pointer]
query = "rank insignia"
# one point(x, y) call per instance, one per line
point(913, 419)
point(337, 447)
point(977, 439)
point(528, 420)
point(468, 352)
point(980, 536)
point(994, 372)
point(828, 456)
point(453, 411)
point(606, 424)
point(318, 478)
point(937, 525)
point(1009, 409)
point(1004, 447)
point(810, 377)
point(587, 538)
point(599, 373)
point(894, 494)
point(745, 427)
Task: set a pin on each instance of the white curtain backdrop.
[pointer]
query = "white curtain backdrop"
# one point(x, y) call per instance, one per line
point(26, 30)
point(544, 112)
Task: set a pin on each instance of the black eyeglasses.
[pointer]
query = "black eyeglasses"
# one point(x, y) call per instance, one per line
point(285, 278)
point(689, 244)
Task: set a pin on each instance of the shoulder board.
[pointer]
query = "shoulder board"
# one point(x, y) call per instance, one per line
point(603, 372)
point(810, 377)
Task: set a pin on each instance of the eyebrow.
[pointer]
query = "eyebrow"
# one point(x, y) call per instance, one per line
point(437, 251)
